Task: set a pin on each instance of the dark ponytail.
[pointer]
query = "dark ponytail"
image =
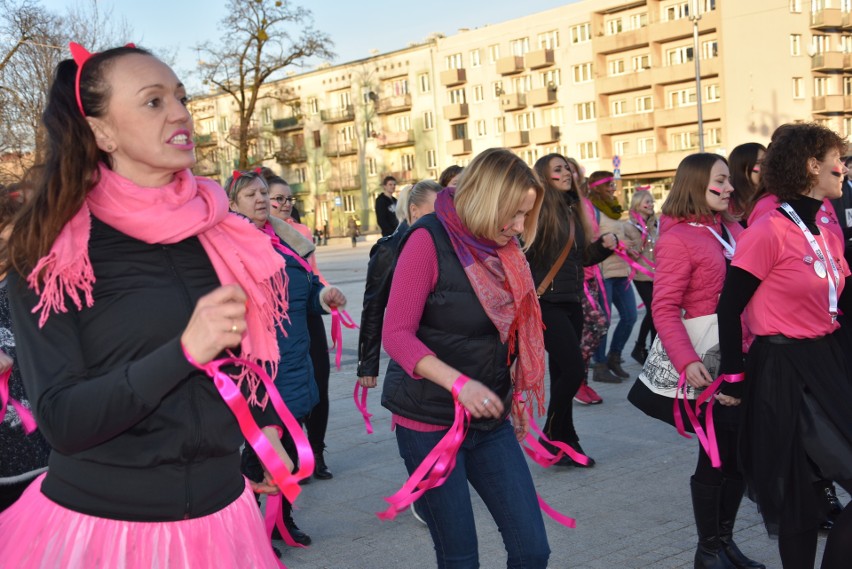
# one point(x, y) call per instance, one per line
point(72, 156)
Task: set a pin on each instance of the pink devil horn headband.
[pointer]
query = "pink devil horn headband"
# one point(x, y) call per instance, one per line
point(81, 55)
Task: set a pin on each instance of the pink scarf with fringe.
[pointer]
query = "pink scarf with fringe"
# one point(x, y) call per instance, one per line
point(185, 207)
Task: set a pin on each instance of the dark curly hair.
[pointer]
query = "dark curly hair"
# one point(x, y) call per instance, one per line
point(784, 171)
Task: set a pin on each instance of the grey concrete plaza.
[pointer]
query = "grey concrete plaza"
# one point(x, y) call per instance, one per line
point(633, 508)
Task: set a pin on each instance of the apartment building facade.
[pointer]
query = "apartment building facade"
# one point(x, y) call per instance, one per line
point(604, 81)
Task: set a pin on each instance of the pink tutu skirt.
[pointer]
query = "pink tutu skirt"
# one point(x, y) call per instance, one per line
point(36, 533)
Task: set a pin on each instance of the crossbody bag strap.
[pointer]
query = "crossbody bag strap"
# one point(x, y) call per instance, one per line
point(559, 261)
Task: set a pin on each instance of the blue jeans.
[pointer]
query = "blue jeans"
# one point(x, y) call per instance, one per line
point(620, 293)
point(493, 463)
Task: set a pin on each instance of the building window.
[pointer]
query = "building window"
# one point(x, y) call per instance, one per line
point(638, 21)
point(614, 26)
point(530, 156)
point(320, 171)
point(713, 136)
point(847, 126)
point(646, 145)
point(710, 49)
point(453, 61)
point(821, 87)
point(313, 105)
point(709, 5)
point(798, 88)
point(497, 89)
point(587, 150)
point(820, 44)
point(267, 115)
point(847, 86)
point(582, 73)
point(522, 84)
point(478, 94)
point(712, 93)
point(403, 123)
point(581, 33)
point(619, 107)
point(476, 58)
point(493, 53)
point(425, 82)
point(408, 161)
point(459, 131)
point(548, 40)
point(675, 11)
point(616, 67)
point(428, 120)
point(456, 96)
point(525, 121)
point(683, 140)
point(552, 77)
point(795, 44)
point(641, 62)
point(301, 174)
point(681, 98)
point(371, 166)
point(553, 116)
point(621, 147)
point(795, 6)
point(520, 46)
point(585, 111)
point(499, 125)
point(480, 128)
point(678, 55)
point(431, 159)
point(224, 124)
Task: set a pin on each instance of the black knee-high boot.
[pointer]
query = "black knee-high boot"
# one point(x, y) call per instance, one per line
point(729, 504)
point(705, 506)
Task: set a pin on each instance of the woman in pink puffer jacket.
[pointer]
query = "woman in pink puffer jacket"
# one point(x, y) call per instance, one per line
point(697, 240)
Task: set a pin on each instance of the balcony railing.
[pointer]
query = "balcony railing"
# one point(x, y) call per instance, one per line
point(453, 77)
point(396, 139)
point(292, 154)
point(459, 147)
point(338, 115)
point(516, 138)
point(394, 104)
point(510, 65)
point(345, 182)
point(211, 139)
point(456, 111)
point(827, 19)
point(542, 96)
point(539, 58)
point(290, 123)
point(828, 104)
point(513, 101)
point(344, 148)
point(828, 61)
point(544, 134)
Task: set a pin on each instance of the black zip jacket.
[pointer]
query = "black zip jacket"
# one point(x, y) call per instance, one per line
point(567, 285)
point(137, 433)
point(383, 258)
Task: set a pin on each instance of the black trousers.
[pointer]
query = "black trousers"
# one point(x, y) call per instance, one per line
point(645, 290)
point(317, 420)
point(564, 328)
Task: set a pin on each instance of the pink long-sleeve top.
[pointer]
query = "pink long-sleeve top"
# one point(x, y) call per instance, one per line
point(414, 278)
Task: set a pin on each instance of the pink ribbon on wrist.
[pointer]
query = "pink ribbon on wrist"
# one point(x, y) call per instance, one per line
point(438, 464)
point(27, 419)
point(706, 439)
point(361, 405)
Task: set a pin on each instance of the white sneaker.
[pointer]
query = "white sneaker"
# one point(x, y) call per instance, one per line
point(416, 515)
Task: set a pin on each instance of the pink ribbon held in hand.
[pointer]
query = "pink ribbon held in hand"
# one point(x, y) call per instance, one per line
point(288, 483)
point(361, 405)
point(339, 317)
point(438, 464)
point(708, 439)
point(27, 420)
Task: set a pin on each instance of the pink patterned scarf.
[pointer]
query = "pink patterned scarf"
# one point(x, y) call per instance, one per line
point(186, 207)
point(501, 279)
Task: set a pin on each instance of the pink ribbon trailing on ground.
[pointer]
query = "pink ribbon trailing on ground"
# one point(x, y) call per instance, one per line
point(27, 419)
point(340, 319)
point(437, 465)
point(361, 405)
point(706, 439)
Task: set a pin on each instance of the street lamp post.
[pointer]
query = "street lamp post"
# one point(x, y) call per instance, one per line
point(695, 17)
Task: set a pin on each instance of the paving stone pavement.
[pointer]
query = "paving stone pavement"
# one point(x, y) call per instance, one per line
point(633, 508)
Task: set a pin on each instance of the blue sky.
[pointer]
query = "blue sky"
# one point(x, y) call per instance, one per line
point(355, 27)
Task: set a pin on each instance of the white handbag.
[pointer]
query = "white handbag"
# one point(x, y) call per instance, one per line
point(659, 374)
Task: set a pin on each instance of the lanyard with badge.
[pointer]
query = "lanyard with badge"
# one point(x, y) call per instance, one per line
point(730, 248)
point(820, 265)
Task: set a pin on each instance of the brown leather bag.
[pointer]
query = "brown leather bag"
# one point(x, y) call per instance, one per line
point(548, 278)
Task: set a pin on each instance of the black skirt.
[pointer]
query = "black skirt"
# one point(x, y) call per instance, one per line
point(797, 428)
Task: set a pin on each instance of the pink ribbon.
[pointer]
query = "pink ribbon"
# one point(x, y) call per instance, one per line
point(438, 464)
point(602, 288)
point(361, 405)
point(707, 440)
point(621, 251)
point(338, 318)
point(288, 483)
point(27, 420)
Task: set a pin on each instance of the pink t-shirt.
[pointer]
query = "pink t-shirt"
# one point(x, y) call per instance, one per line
point(826, 216)
point(792, 299)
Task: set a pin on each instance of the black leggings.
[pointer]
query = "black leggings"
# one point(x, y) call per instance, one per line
point(726, 439)
point(317, 421)
point(645, 290)
point(799, 550)
point(564, 328)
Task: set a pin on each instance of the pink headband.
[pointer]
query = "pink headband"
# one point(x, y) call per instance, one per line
point(600, 182)
point(642, 188)
point(81, 55)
